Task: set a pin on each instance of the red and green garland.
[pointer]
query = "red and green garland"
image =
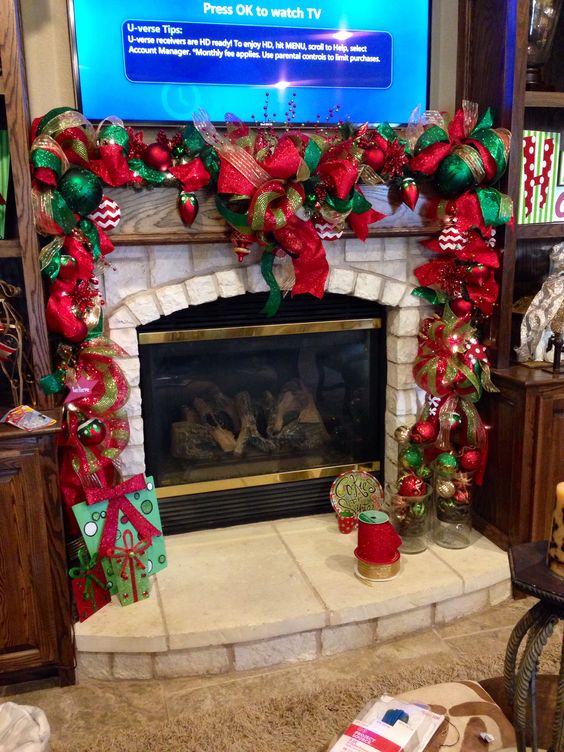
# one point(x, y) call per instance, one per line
point(280, 190)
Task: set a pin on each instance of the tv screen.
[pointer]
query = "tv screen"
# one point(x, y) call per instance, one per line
point(157, 61)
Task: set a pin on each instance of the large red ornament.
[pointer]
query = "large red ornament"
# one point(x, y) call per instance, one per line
point(424, 432)
point(92, 432)
point(461, 307)
point(409, 192)
point(470, 459)
point(187, 207)
point(478, 274)
point(158, 157)
point(411, 485)
point(374, 157)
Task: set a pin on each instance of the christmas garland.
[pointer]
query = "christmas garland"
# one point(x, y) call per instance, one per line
point(285, 190)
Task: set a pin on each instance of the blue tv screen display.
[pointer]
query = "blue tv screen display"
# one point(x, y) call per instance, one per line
point(157, 61)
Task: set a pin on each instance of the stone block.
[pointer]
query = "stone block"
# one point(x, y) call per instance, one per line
point(396, 270)
point(94, 666)
point(133, 404)
point(400, 375)
point(255, 280)
point(127, 338)
point(132, 460)
point(395, 249)
point(133, 666)
point(368, 286)
point(122, 318)
point(193, 662)
point(169, 263)
point(402, 401)
point(136, 434)
point(347, 637)
point(401, 349)
point(405, 622)
point(129, 274)
point(392, 292)
point(144, 306)
point(208, 257)
point(172, 298)
point(341, 281)
point(201, 289)
point(390, 470)
point(130, 368)
point(230, 283)
point(500, 592)
point(372, 249)
point(393, 421)
point(462, 605)
point(335, 251)
point(301, 646)
point(403, 322)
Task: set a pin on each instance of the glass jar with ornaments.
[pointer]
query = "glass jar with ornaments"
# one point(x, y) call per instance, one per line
point(408, 503)
point(452, 484)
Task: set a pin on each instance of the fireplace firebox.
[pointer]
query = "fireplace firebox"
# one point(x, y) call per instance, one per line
point(248, 418)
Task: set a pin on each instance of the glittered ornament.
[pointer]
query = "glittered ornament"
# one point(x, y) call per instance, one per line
point(81, 190)
point(425, 472)
point(446, 463)
point(470, 459)
point(460, 307)
point(374, 157)
point(461, 497)
point(423, 432)
point(187, 207)
point(409, 192)
point(419, 509)
point(452, 240)
point(412, 458)
point(92, 432)
point(158, 157)
point(411, 485)
point(445, 488)
point(478, 274)
point(401, 435)
point(67, 270)
point(106, 215)
point(454, 176)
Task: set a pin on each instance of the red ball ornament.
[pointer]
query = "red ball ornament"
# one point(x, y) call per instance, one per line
point(374, 157)
point(158, 157)
point(92, 432)
point(187, 207)
point(479, 274)
point(461, 308)
point(470, 459)
point(461, 497)
point(409, 192)
point(411, 485)
point(424, 432)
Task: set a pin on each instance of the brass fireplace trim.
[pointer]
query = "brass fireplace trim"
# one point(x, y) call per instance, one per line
point(264, 330)
point(248, 481)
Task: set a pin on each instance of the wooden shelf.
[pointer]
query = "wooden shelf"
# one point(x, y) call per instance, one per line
point(10, 249)
point(544, 99)
point(540, 231)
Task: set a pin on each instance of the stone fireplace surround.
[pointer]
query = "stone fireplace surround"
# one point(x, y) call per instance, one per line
point(149, 281)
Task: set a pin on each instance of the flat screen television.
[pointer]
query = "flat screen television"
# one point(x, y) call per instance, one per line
point(157, 61)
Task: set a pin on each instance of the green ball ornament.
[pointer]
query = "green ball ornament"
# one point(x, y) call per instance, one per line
point(412, 458)
point(114, 134)
point(453, 177)
point(81, 189)
point(446, 464)
point(419, 509)
point(425, 472)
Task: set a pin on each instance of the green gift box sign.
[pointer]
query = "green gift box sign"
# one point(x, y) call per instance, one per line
point(132, 508)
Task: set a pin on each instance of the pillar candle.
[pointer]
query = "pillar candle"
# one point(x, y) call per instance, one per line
point(556, 545)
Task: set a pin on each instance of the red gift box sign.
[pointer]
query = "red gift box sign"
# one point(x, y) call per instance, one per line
point(89, 586)
point(128, 558)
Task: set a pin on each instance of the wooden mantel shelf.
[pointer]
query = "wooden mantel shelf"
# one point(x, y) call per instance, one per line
point(150, 217)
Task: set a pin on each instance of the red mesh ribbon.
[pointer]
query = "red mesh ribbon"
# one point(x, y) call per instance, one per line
point(192, 176)
point(88, 460)
point(96, 361)
point(118, 504)
point(301, 240)
point(112, 166)
point(284, 161)
point(340, 176)
point(273, 204)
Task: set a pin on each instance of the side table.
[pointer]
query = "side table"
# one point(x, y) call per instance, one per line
point(530, 574)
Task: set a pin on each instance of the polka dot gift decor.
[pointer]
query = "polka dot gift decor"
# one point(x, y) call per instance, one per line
point(539, 176)
point(123, 527)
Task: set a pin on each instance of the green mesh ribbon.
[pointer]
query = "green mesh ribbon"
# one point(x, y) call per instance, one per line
point(235, 219)
point(97, 330)
point(193, 141)
point(312, 155)
point(45, 158)
point(61, 213)
point(432, 296)
point(53, 382)
point(153, 177)
point(433, 135)
point(85, 569)
point(92, 236)
point(486, 121)
point(497, 208)
point(495, 146)
point(50, 258)
point(115, 134)
point(341, 205)
point(274, 296)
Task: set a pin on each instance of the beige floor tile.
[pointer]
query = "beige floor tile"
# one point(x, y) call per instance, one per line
point(234, 589)
point(480, 565)
point(327, 560)
point(138, 628)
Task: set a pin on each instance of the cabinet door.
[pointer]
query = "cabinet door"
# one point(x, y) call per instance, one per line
point(27, 623)
point(549, 462)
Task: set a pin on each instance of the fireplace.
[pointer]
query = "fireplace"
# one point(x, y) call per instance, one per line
point(248, 419)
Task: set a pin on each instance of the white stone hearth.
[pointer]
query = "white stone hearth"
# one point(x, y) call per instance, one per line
point(270, 593)
point(147, 282)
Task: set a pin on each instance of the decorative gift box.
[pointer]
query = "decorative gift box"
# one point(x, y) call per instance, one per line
point(89, 586)
point(539, 176)
point(129, 565)
point(131, 507)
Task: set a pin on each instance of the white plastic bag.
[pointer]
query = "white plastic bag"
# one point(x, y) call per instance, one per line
point(23, 728)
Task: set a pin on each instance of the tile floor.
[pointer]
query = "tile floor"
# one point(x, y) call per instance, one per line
point(82, 708)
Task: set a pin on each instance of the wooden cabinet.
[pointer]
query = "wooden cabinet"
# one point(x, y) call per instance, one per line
point(35, 625)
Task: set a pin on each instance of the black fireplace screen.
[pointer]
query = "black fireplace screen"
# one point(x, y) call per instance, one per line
point(227, 407)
